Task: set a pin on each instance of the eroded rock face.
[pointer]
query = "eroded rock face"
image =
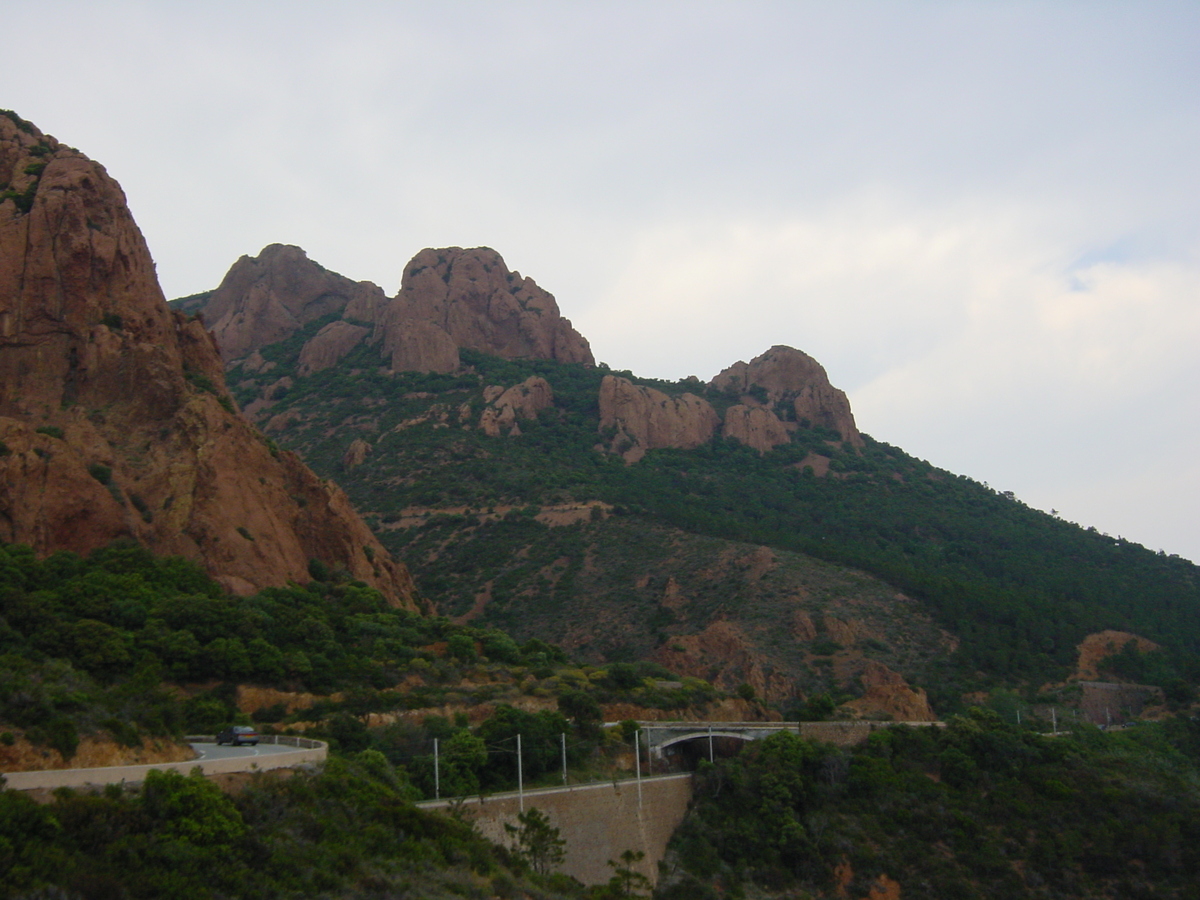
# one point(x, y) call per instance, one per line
point(114, 415)
point(887, 692)
point(786, 380)
point(417, 346)
point(329, 345)
point(265, 299)
point(506, 407)
point(646, 419)
point(356, 454)
point(755, 427)
point(475, 300)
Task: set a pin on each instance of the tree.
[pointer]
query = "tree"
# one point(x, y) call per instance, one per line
point(538, 842)
point(626, 879)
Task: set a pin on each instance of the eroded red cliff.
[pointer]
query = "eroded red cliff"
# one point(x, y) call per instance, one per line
point(114, 416)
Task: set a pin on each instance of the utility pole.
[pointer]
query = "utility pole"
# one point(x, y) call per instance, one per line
point(520, 778)
point(563, 737)
point(437, 780)
point(637, 760)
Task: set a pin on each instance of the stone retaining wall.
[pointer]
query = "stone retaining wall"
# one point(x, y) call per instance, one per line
point(597, 821)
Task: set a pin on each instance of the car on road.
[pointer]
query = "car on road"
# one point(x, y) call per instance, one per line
point(237, 735)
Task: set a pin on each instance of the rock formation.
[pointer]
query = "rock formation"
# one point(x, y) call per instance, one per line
point(473, 298)
point(885, 691)
point(646, 419)
point(417, 346)
point(505, 407)
point(794, 384)
point(356, 454)
point(449, 298)
point(755, 426)
point(265, 299)
point(329, 345)
point(115, 421)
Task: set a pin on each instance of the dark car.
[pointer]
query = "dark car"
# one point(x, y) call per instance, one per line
point(238, 735)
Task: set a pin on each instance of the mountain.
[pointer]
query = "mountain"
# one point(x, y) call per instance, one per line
point(115, 420)
point(741, 529)
point(448, 299)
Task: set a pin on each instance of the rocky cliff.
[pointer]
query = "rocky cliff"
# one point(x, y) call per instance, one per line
point(479, 304)
point(114, 416)
point(449, 298)
point(641, 418)
point(794, 386)
point(265, 299)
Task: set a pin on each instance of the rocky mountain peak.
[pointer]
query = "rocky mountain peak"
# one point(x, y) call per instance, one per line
point(473, 298)
point(794, 386)
point(114, 416)
point(449, 298)
point(266, 298)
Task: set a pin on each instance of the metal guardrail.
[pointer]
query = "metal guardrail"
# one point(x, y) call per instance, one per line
point(286, 740)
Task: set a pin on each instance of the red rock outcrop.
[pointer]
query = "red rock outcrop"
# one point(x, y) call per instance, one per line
point(522, 401)
point(114, 416)
point(647, 419)
point(356, 454)
point(793, 382)
point(473, 298)
point(329, 345)
point(265, 299)
point(755, 427)
point(887, 692)
point(723, 654)
point(417, 346)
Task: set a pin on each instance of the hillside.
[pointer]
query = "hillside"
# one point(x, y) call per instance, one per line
point(572, 503)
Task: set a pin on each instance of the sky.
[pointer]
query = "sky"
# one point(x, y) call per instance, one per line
point(983, 218)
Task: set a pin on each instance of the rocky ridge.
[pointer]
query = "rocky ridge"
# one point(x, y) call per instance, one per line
point(115, 421)
point(449, 298)
point(794, 388)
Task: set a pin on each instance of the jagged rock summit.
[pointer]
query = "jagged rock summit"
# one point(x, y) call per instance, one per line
point(449, 298)
point(776, 393)
point(794, 388)
point(115, 421)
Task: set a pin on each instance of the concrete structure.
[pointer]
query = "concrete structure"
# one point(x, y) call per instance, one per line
point(307, 751)
point(598, 821)
point(661, 736)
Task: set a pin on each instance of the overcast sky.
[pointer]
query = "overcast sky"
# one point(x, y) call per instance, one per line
point(983, 218)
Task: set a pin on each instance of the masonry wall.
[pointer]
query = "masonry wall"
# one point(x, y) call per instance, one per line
point(598, 821)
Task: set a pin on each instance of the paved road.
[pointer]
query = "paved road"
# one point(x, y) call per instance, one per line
point(212, 751)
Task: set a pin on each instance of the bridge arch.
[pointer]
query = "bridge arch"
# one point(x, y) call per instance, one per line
point(703, 735)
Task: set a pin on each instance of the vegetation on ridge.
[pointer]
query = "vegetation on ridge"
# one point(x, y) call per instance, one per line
point(1019, 588)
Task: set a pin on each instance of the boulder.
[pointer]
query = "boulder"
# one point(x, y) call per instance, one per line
point(522, 401)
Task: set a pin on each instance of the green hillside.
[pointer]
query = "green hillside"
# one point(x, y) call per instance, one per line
point(978, 809)
point(1017, 587)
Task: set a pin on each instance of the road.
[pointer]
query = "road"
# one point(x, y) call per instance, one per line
point(533, 793)
point(208, 751)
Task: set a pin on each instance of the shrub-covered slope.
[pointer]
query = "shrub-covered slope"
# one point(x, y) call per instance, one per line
point(1018, 588)
point(978, 809)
